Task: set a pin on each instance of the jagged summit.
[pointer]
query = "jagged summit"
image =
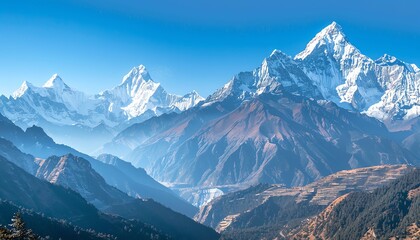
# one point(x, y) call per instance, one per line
point(331, 39)
point(333, 28)
point(330, 67)
point(137, 74)
point(55, 82)
point(22, 89)
point(387, 59)
point(278, 53)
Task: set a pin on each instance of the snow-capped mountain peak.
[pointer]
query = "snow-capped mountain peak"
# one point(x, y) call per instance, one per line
point(136, 95)
point(385, 89)
point(279, 54)
point(137, 74)
point(22, 90)
point(388, 60)
point(331, 39)
point(56, 82)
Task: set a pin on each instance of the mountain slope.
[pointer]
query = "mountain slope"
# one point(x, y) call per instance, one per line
point(273, 138)
point(389, 212)
point(262, 208)
point(14, 155)
point(150, 187)
point(35, 142)
point(44, 226)
point(29, 192)
point(77, 174)
point(278, 71)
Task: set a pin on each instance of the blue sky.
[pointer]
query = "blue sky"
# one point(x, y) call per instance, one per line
point(184, 44)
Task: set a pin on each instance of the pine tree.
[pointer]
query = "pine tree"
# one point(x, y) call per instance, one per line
point(5, 233)
point(18, 230)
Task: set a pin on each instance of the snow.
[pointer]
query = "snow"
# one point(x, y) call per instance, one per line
point(55, 82)
point(415, 68)
point(412, 112)
point(332, 32)
point(22, 90)
point(329, 68)
point(57, 103)
point(378, 88)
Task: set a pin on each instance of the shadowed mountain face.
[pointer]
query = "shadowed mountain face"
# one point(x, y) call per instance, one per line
point(34, 141)
point(273, 138)
point(77, 174)
point(26, 190)
point(29, 192)
point(14, 155)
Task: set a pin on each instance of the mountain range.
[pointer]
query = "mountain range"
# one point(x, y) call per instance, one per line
point(275, 153)
point(82, 193)
point(331, 68)
point(18, 144)
point(84, 121)
point(290, 121)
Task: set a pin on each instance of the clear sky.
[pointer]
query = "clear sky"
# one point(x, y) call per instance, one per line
point(185, 45)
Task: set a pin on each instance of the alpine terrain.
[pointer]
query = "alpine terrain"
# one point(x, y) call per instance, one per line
point(321, 145)
point(291, 121)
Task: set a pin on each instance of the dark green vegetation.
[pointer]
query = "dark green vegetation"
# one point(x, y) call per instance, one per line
point(17, 230)
point(390, 211)
point(44, 226)
point(264, 211)
point(175, 224)
point(266, 220)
